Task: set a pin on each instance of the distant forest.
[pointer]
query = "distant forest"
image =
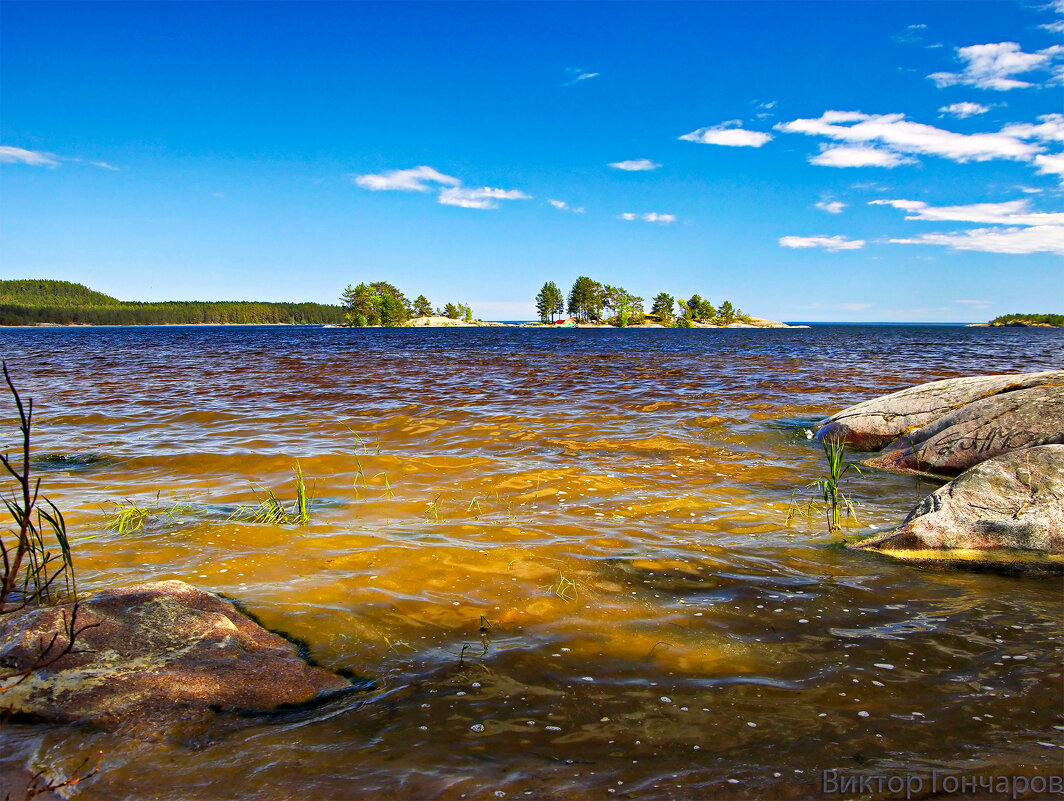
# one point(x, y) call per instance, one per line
point(30, 302)
point(1029, 319)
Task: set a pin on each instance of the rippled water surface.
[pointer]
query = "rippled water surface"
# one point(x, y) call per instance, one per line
point(611, 506)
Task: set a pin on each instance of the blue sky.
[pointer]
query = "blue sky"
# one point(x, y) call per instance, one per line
point(807, 161)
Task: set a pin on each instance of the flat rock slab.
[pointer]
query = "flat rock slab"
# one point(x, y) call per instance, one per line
point(874, 423)
point(1005, 513)
point(160, 649)
point(979, 431)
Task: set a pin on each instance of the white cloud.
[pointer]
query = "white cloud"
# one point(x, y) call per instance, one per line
point(483, 198)
point(413, 180)
point(1054, 27)
point(991, 66)
point(901, 136)
point(104, 166)
point(831, 206)
point(1033, 239)
point(451, 191)
point(729, 134)
point(635, 165)
point(964, 110)
point(976, 304)
point(650, 217)
point(1013, 212)
point(832, 243)
point(1049, 129)
point(859, 156)
point(34, 158)
point(918, 26)
point(561, 205)
point(1050, 164)
point(576, 74)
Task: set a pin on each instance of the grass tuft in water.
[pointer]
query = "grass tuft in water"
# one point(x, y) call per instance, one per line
point(565, 588)
point(836, 503)
point(271, 509)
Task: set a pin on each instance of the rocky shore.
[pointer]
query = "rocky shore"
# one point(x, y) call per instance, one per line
point(1001, 441)
point(449, 322)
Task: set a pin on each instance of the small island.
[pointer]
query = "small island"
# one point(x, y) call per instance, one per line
point(1028, 321)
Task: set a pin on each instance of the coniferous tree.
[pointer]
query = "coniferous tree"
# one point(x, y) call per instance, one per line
point(727, 313)
point(422, 307)
point(549, 302)
point(662, 308)
point(586, 299)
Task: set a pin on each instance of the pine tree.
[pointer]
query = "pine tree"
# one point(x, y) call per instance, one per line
point(586, 299)
point(662, 308)
point(549, 302)
point(422, 307)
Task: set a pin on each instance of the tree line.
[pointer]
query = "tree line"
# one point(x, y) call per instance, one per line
point(592, 302)
point(1037, 319)
point(32, 302)
point(382, 304)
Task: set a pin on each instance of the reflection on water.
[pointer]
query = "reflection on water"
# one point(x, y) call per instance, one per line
point(561, 556)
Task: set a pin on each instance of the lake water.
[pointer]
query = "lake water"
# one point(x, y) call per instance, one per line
point(611, 505)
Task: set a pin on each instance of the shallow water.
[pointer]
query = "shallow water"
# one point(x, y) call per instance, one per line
point(614, 503)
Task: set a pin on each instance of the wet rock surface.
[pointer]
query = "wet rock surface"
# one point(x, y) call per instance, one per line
point(979, 431)
point(1006, 513)
point(877, 422)
point(153, 650)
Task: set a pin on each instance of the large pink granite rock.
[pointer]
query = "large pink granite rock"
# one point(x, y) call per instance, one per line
point(874, 423)
point(1007, 512)
point(159, 649)
point(979, 431)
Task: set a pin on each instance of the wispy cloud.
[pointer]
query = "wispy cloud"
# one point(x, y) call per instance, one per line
point(650, 217)
point(482, 198)
point(413, 180)
point(105, 166)
point(33, 158)
point(1033, 239)
point(964, 110)
point(1049, 129)
point(992, 66)
point(1027, 231)
point(1013, 212)
point(635, 165)
point(858, 156)
point(897, 136)
point(429, 179)
point(729, 134)
point(577, 74)
point(561, 205)
point(975, 304)
point(831, 206)
point(832, 243)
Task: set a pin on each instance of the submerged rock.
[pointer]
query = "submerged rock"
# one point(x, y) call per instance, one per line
point(157, 649)
point(1006, 513)
point(979, 431)
point(874, 423)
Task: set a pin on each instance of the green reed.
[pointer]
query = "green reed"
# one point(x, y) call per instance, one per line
point(28, 560)
point(128, 516)
point(836, 503)
point(271, 509)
